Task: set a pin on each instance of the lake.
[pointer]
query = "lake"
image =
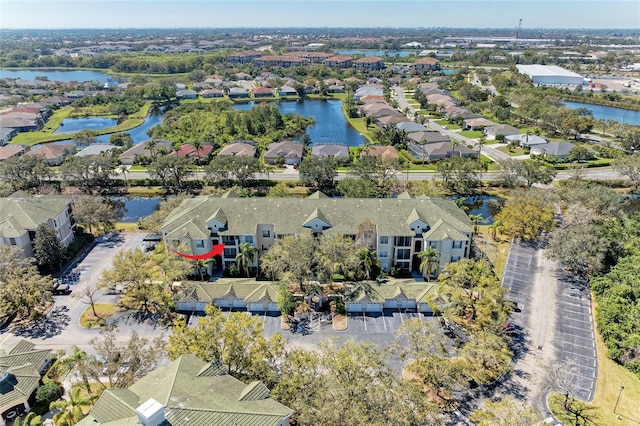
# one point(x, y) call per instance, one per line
point(57, 75)
point(486, 205)
point(74, 125)
point(608, 113)
point(138, 134)
point(331, 124)
point(364, 52)
point(137, 208)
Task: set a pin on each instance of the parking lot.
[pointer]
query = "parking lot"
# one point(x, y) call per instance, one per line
point(553, 315)
point(576, 335)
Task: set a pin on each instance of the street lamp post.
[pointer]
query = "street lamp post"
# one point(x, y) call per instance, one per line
point(618, 400)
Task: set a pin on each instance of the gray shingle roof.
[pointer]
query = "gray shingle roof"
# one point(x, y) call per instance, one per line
point(20, 214)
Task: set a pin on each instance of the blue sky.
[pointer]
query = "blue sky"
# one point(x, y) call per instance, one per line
point(328, 13)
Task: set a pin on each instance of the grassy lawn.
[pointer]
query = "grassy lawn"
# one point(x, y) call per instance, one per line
point(496, 250)
point(513, 151)
point(104, 311)
point(127, 227)
point(600, 162)
point(448, 125)
point(611, 377)
point(472, 134)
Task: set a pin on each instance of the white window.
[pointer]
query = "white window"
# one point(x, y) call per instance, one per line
point(455, 259)
point(199, 243)
point(383, 254)
point(12, 241)
point(433, 244)
point(457, 244)
point(55, 224)
point(384, 240)
point(248, 239)
point(266, 233)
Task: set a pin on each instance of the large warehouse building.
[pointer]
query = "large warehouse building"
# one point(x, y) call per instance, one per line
point(550, 75)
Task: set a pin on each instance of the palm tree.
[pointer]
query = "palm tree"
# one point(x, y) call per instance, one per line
point(78, 361)
point(202, 264)
point(454, 144)
point(429, 258)
point(151, 146)
point(368, 260)
point(246, 255)
point(495, 228)
point(71, 411)
point(475, 220)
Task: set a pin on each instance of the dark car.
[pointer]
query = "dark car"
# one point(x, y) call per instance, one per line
point(60, 289)
point(150, 241)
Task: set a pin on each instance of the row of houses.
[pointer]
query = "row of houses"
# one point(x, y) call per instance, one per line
point(293, 59)
point(27, 117)
point(262, 296)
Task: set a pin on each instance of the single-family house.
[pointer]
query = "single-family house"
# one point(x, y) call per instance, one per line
point(189, 150)
point(20, 215)
point(393, 119)
point(237, 92)
point(148, 149)
point(188, 391)
point(290, 152)
point(96, 149)
point(330, 150)
point(239, 148)
point(404, 226)
point(8, 151)
point(368, 89)
point(53, 154)
point(427, 137)
point(6, 134)
point(261, 92)
point(500, 129)
point(439, 150)
point(287, 91)
point(558, 150)
point(186, 94)
point(411, 127)
point(21, 369)
point(380, 151)
point(525, 140)
point(212, 93)
point(477, 123)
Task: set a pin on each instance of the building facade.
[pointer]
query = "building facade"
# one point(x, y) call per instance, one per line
point(402, 227)
point(20, 215)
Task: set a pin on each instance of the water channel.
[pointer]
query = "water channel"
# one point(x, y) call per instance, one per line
point(63, 76)
point(601, 112)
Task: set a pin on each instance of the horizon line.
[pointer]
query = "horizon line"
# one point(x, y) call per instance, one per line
point(315, 27)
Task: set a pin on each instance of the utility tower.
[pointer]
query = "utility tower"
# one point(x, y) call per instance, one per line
point(518, 32)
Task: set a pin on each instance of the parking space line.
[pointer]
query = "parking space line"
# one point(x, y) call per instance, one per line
point(364, 320)
point(401, 317)
point(384, 323)
point(589, 357)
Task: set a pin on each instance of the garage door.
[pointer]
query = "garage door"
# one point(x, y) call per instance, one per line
point(239, 303)
point(391, 304)
point(256, 307)
point(408, 304)
point(200, 306)
point(222, 303)
point(185, 306)
point(425, 308)
point(374, 307)
point(354, 307)
point(273, 307)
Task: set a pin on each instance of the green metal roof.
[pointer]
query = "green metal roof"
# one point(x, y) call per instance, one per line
point(288, 215)
point(191, 398)
point(18, 213)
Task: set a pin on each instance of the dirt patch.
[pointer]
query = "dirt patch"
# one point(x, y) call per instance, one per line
point(340, 322)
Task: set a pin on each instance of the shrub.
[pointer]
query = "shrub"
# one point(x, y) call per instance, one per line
point(49, 392)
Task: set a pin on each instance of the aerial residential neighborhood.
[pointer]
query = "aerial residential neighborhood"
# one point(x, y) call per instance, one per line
point(424, 223)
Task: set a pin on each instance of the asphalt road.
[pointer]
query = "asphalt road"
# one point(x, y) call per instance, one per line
point(60, 329)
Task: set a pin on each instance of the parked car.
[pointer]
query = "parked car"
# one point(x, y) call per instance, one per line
point(150, 241)
point(60, 289)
